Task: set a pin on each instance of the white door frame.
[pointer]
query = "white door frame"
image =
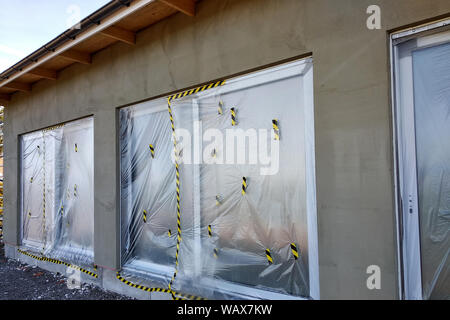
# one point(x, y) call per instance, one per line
point(404, 142)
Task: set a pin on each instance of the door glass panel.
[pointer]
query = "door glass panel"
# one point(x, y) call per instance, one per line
point(431, 72)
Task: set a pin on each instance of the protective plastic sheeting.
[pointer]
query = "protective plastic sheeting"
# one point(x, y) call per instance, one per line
point(57, 191)
point(147, 183)
point(431, 68)
point(422, 102)
point(245, 153)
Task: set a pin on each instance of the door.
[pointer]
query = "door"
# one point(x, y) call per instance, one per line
point(422, 81)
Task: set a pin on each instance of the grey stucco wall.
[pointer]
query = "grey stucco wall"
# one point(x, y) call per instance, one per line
point(356, 218)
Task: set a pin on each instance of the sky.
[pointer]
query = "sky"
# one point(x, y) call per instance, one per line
point(26, 25)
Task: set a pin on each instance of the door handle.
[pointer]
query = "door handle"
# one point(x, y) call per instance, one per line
point(410, 204)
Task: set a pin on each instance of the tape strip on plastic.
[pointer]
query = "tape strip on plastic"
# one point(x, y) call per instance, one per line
point(55, 261)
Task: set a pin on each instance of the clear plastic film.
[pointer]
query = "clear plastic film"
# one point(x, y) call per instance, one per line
point(246, 199)
point(57, 192)
point(147, 188)
point(431, 68)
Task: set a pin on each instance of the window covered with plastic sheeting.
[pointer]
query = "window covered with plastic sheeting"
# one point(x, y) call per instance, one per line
point(57, 191)
point(147, 189)
point(218, 187)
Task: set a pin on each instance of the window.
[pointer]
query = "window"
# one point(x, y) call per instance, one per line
point(422, 111)
point(245, 153)
point(57, 191)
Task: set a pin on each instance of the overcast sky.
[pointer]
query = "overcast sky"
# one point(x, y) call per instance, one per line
point(26, 25)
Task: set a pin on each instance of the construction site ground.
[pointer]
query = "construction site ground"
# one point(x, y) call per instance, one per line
point(19, 281)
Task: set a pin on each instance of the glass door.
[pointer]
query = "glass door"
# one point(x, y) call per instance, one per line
point(422, 80)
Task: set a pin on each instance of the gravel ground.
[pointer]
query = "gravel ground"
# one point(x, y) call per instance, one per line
point(23, 282)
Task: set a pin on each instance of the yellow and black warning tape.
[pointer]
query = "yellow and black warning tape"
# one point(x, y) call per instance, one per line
point(209, 231)
point(177, 178)
point(244, 185)
point(218, 200)
point(294, 250)
point(233, 116)
point(177, 295)
point(44, 233)
point(276, 129)
point(53, 128)
point(144, 213)
point(196, 90)
point(152, 150)
point(43, 258)
point(144, 288)
point(269, 256)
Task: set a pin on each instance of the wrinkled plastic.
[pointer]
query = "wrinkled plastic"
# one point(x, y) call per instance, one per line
point(431, 68)
point(225, 232)
point(57, 191)
point(147, 184)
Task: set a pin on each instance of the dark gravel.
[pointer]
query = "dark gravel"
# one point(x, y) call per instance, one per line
point(23, 282)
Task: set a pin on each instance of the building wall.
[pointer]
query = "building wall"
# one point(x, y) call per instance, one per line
point(355, 195)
